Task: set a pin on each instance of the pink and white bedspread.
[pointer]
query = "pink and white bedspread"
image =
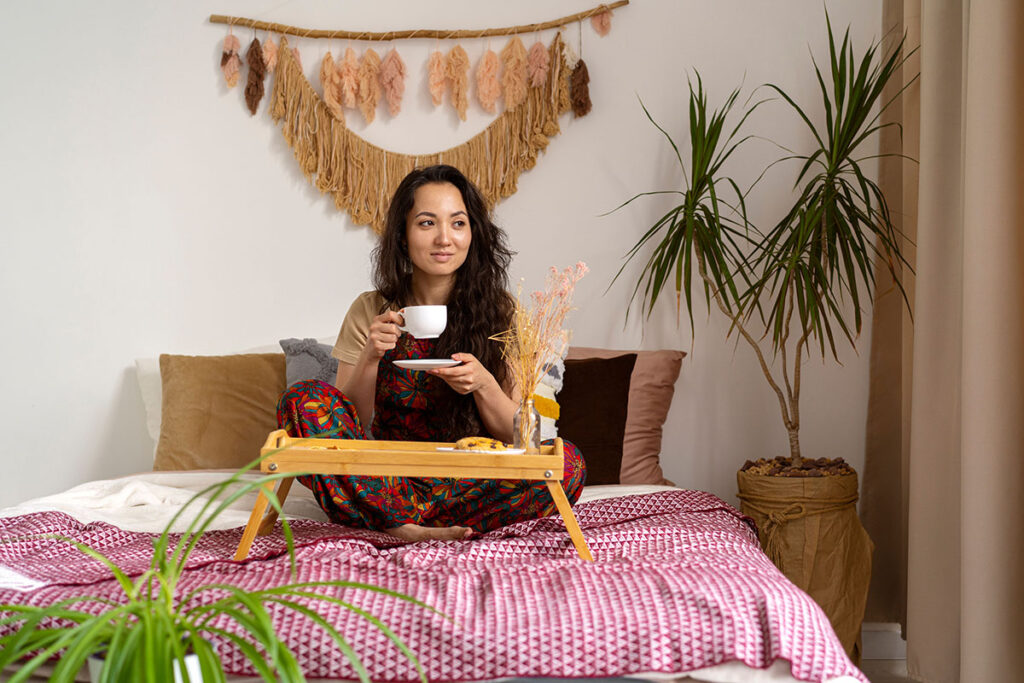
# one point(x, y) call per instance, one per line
point(678, 583)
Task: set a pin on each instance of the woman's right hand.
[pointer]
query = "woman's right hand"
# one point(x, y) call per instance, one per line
point(383, 335)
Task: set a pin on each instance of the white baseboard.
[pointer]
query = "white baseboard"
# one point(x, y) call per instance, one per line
point(882, 641)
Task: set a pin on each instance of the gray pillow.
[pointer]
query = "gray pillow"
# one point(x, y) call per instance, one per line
point(308, 359)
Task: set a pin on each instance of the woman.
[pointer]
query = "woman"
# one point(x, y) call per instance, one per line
point(439, 247)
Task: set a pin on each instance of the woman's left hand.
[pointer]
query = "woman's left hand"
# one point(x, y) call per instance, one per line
point(468, 377)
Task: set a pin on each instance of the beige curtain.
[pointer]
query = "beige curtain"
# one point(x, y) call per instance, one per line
point(946, 480)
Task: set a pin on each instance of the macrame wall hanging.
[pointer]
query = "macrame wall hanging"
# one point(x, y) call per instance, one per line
point(535, 85)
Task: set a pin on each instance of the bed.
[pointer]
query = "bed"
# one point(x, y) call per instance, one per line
point(679, 588)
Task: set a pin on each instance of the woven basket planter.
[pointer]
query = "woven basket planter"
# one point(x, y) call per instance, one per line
point(809, 528)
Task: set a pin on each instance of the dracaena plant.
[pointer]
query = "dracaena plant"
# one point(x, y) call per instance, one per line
point(805, 280)
point(146, 633)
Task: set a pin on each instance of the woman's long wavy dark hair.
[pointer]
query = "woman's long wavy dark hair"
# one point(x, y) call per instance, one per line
point(479, 306)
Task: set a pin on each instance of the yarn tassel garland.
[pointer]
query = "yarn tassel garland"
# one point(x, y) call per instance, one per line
point(392, 80)
point(537, 64)
point(435, 77)
point(513, 77)
point(257, 72)
point(564, 60)
point(229, 61)
point(579, 84)
point(270, 55)
point(602, 22)
point(369, 84)
point(488, 88)
point(456, 71)
point(361, 177)
point(348, 73)
point(330, 81)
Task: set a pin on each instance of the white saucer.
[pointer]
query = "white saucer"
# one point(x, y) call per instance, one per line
point(426, 363)
point(507, 451)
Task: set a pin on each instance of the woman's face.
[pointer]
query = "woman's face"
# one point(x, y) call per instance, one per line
point(437, 230)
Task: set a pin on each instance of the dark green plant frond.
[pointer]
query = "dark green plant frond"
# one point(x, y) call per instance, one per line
point(696, 236)
point(822, 252)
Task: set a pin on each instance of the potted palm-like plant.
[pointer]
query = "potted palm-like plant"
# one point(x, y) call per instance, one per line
point(158, 632)
point(799, 285)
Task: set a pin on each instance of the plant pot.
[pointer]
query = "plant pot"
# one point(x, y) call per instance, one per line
point(809, 528)
point(195, 674)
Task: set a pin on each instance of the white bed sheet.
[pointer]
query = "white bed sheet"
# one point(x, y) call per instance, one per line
point(146, 502)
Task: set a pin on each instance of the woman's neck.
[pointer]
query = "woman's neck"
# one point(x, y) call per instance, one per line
point(431, 291)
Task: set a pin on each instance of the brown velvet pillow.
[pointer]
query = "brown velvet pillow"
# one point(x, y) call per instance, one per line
point(594, 400)
point(650, 395)
point(217, 410)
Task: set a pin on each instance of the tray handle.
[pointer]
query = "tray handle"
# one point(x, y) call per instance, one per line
point(275, 439)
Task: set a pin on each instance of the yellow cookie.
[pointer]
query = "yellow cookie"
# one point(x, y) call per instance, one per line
point(479, 443)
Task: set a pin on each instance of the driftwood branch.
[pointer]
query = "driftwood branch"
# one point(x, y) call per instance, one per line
point(244, 22)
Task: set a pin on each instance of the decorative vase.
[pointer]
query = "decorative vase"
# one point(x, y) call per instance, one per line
point(526, 427)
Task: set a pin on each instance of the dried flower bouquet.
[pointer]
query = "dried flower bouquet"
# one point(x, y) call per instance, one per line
point(537, 338)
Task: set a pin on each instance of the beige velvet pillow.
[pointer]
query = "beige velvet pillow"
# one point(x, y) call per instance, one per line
point(651, 388)
point(217, 410)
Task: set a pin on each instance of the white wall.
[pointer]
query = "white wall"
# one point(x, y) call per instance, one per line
point(144, 211)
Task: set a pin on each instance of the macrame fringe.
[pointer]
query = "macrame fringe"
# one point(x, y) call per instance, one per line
point(229, 61)
point(513, 76)
point(580, 84)
point(435, 77)
point(488, 88)
point(537, 64)
point(602, 23)
point(270, 55)
point(392, 80)
point(560, 65)
point(456, 71)
point(330, 82)
point(361, 177)
point(257, 72)
point(369, 84)
point(348, 73)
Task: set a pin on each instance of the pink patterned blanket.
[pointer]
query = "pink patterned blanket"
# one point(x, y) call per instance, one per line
point(678, 583)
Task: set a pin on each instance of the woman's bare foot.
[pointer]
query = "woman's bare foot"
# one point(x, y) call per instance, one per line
point(415, 532)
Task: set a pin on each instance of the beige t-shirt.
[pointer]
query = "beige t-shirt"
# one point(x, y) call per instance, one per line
point(356, 327)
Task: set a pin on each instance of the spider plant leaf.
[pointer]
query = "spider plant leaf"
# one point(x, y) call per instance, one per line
point(210, 667)
point(379, 625)
point(65, 639)
point(347, 650)
point(247, 649)
point(188, 540)
point(88, 639)
point(122, 578)
point(29, 636)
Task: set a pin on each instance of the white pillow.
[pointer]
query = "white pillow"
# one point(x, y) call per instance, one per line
point(147, 371)
point(550, 385)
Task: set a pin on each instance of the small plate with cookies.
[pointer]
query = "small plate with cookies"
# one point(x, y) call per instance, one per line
point(481, 444)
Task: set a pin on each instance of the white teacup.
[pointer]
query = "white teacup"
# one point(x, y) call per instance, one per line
point(424, 322)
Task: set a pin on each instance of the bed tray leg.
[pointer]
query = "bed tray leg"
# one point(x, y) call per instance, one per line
point(564, 509)
point(258, 524)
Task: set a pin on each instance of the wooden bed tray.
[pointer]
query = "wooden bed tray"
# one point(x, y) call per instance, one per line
point(401, 459)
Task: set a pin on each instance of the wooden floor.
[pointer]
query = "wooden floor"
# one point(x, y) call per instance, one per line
point(885, 670)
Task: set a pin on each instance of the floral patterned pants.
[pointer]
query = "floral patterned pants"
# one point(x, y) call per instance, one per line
point(313, 408)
